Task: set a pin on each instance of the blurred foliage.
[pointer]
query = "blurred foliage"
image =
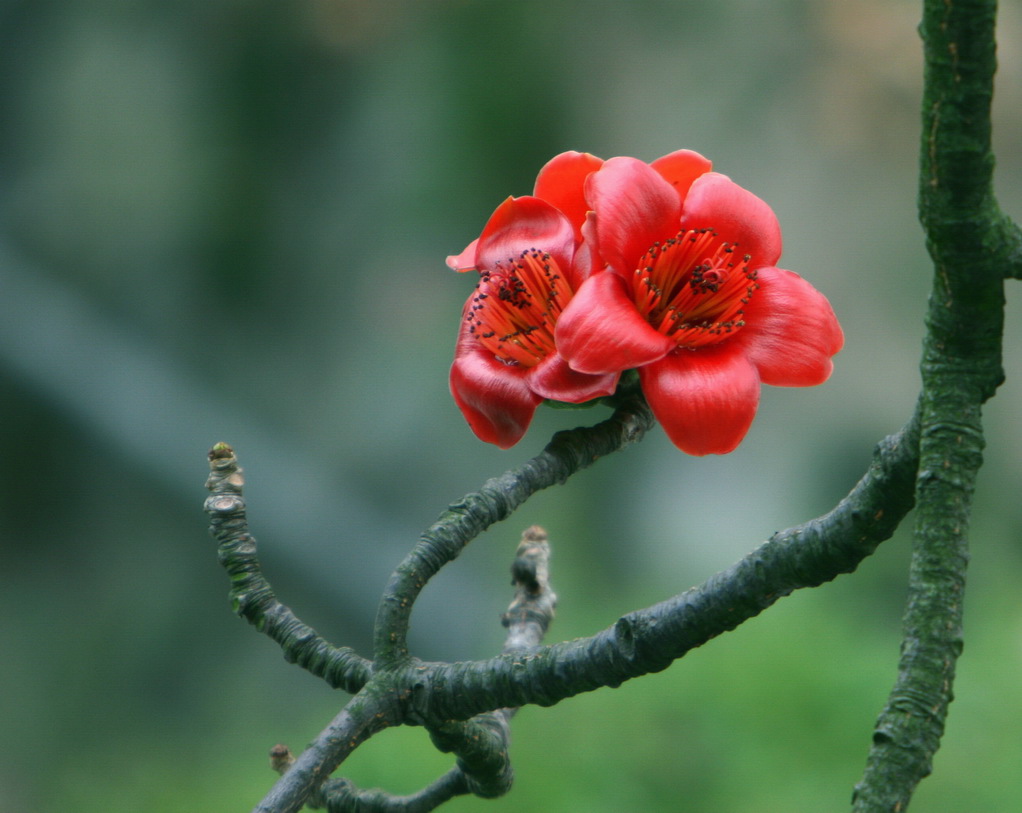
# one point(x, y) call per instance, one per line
point(226, 220)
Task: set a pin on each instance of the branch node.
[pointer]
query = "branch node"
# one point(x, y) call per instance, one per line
point(281, 758)
point(529, 615)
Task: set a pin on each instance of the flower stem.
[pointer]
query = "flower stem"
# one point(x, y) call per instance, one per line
point(567, 453)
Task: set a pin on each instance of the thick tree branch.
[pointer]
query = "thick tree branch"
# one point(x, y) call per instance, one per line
point(961, 368)
point(1012, 238)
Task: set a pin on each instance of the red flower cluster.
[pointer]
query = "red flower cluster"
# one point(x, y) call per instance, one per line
point(668, 268)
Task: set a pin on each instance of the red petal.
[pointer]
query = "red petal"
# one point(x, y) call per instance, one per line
point(716, 202)
point(582, 268)
point(519, 224)
point(498, 408)
point(561, 182)
point(790, 331)
point(681, 168)
point(600, 331)
point(635, 207)
point(552, 378)
point(466, 261)
point(494, 397)
point(705, 399)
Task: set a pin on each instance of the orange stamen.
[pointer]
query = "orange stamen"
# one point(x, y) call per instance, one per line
point(693, 287)
point(514, 313)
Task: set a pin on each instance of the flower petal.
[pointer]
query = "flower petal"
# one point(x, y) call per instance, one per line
point(552, 378)
point(498, 408)
point(600, 331)
point(494, 397)
point(520, 224)
point(466, 261)
point(681, 167)
point(716, 202)
point(635, 207)
point(561, 182)
point(790, 331)
point(584, 265)
point(705, 399)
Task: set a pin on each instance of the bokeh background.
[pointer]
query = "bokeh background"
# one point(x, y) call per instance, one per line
point(227, 220)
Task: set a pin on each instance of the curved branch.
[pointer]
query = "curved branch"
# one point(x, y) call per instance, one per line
point(483, 769)
point(567, 453)
point(251, 594)
point(481, 743)
point(649, 640)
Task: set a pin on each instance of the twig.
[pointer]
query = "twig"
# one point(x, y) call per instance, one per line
point(251, 595)
point(366, 714)
point(480, 744)
point(567, 453)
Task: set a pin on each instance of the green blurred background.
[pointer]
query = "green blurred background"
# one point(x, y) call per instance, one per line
point(227, 220)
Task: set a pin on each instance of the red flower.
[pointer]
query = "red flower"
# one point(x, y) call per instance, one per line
point(687, 291)
point(505, 362)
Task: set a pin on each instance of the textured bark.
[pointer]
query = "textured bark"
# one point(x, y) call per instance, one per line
point(973, 248)
point(400, 689)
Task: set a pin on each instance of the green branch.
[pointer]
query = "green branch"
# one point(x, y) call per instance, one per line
point(251, 595)
point(650, 640)
point(1012, 248)
point(567, 453)
point(411, 692)
point(367, 713)
point(961, 368)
